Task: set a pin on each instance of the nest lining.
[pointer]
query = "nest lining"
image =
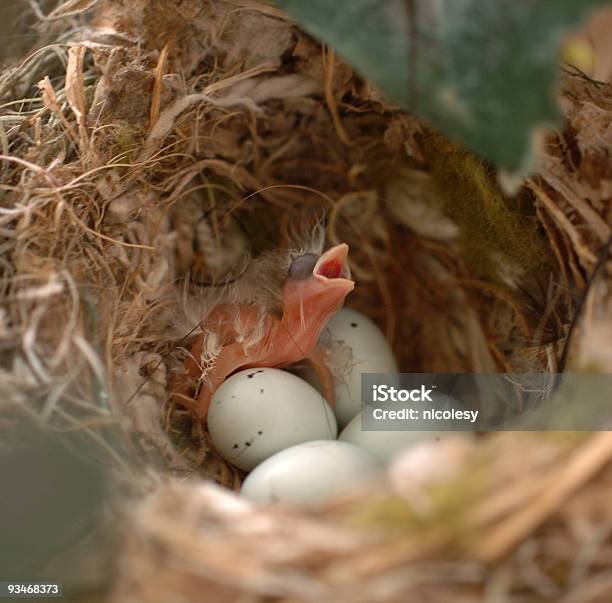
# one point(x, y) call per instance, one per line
point(151, 147)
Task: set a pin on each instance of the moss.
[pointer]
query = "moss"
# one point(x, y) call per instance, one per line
point(127, 138)
point(491, 225)
point(447, 507)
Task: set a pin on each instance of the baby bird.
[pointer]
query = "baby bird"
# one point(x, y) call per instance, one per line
point(242, 335)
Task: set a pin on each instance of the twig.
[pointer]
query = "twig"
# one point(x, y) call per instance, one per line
point(555, 490)
point(158, 86)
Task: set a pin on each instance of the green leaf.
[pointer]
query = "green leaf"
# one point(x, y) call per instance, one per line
point(481, 71)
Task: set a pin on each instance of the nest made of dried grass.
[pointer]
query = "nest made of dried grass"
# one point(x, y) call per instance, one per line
point(154, 142)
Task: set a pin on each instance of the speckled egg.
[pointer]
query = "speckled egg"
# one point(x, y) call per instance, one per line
point(310, 474)
point(368, 352)
point(258, 412)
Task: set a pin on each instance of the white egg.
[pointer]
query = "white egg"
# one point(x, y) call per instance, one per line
point(368, 352)
point(259, 411)
point(310, 474)
point(384, 445)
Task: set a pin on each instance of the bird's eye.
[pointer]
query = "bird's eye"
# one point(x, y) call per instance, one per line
point(301, 268)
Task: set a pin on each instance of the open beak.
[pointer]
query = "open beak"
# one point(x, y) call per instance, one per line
point(333, 269)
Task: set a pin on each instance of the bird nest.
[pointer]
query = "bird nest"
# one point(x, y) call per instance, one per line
point(146, 147)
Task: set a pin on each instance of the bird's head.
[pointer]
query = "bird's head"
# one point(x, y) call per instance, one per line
point(315, 289)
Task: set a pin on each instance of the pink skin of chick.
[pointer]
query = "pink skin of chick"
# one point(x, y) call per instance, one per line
point(307, 304)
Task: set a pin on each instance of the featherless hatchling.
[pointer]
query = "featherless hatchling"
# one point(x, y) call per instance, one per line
point(271, 316)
